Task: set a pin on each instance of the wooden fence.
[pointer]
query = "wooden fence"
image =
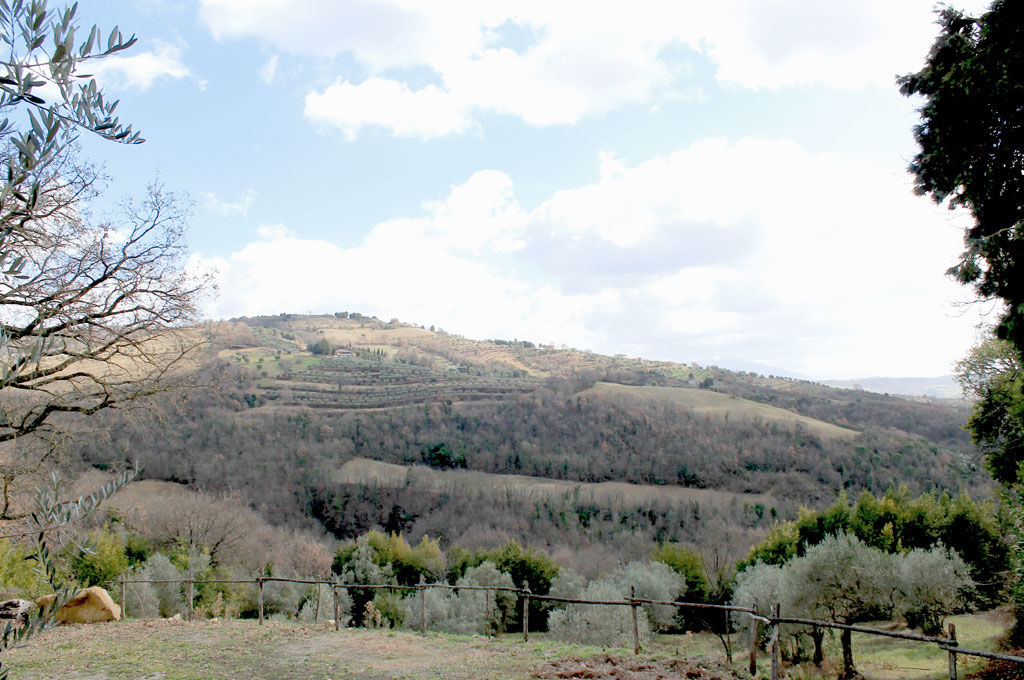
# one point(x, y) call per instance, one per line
point(774, 621)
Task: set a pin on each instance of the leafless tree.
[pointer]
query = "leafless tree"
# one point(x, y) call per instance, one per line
point(101, 313)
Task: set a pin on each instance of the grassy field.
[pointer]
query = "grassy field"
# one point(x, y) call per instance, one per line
point(175, 650)
point(722, 405)
point(362, 470)
point(889, 659)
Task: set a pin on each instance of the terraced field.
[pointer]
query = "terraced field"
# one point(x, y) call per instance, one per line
point(345, 383)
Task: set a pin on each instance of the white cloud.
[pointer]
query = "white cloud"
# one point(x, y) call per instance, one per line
point(268, 70)
point(274, 232)
point(553, 63)
point(229, 208)
point(756, 249)
point(429, 112)
point(140, 70)
point(798, 42)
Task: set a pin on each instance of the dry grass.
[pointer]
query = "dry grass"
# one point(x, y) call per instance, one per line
point(172, 650)
point(362, 470)
point(724, 405)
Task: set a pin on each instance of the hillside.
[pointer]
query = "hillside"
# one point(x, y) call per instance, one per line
point(286, 425)
point(724, 406)
point(372, 472)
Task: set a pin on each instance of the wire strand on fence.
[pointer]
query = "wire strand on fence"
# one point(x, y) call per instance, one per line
point(978, 652)
point(865, 629)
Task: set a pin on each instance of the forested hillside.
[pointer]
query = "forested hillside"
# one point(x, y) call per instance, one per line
point(298, 397)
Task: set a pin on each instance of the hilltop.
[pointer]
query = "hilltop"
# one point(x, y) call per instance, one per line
point(302, 399)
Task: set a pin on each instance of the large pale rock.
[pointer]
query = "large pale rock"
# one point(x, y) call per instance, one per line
point(88, 606)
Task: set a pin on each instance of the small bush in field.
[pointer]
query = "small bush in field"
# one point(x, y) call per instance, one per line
point(319, 605)
point(170, 598)
point(141, 600)
point(598, 624)
point(282, 597)
point(653, 581)
point(466, 611)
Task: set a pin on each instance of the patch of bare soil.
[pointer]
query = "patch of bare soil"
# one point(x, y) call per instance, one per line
point(610, 667)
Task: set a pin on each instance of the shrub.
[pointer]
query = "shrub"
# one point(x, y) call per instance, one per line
point(282, 597)
point(104, 561)
point(598, 624)
point(568, 584)
point(653, 581)
point(689, 565)
point(318, 605)
point(527, 565)
point(358, 566)
point(224, 599)
point(933, 584)
point(141, 601)
point(18, 577)
point(440, 615)
point(467, 611)
point(389, 605)
point(170, 598)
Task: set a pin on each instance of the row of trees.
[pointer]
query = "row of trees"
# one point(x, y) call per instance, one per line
point(897, 556)
point(843, 580)
point(897, 522)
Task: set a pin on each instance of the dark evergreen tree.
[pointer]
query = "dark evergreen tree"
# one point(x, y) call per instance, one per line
point(971, 138)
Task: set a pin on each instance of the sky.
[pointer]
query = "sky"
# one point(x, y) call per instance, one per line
point(701, 182)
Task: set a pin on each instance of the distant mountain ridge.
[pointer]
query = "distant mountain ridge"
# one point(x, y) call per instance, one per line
point(941, 387)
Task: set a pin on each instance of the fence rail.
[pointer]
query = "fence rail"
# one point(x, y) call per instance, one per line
point(774, 620)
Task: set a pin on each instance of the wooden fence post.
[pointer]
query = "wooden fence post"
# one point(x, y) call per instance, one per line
point(636, 626)
point(191, 596)
point(952, 654)
point(259, 595)
point(526, 611)
point(316, 605)
point(753, 642)
point(423, 606)
point(487, 613)
point(337, 603)
point(775, 641)
point(124, 602)
point(728, 637)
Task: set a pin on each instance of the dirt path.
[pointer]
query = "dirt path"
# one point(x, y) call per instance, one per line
point(173, 650)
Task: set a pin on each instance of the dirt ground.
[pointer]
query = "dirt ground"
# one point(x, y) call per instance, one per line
point(175, 650)
point(625, 668)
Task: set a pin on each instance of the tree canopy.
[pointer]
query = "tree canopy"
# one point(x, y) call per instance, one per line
point(42, 56)
point(992, 374)
point(91, 311)
point(971, 140)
